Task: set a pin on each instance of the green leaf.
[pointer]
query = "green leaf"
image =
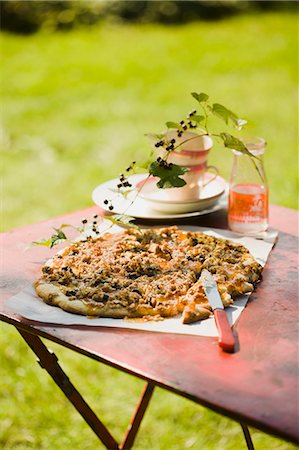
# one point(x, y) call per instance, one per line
point(226, 115)
point(145, 165)
point(57, 238)
point(222, 112)
point(64, 225)
point(169, 175)
point(172, 170)
point(234, 143)
point(155, 136)
point(124, 220)
point(175, 125)
point(171, 182)
point(202, 97)
point(45, 242)
point(196, 118)
point(56, 241)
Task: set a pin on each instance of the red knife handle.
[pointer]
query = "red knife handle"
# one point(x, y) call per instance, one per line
point(226, 337)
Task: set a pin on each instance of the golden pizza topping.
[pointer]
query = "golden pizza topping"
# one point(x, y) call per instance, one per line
point(154, 272)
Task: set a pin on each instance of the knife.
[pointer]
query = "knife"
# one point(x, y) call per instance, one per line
point(226, 338)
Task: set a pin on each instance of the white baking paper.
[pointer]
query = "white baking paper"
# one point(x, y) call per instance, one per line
point(29, 306)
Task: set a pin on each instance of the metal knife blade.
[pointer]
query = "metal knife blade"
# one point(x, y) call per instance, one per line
point(226, 338)
point(211, 289)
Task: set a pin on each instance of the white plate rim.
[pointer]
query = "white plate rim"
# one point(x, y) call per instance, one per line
point(104, 187)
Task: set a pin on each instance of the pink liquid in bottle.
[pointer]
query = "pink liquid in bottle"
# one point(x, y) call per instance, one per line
point(248, 208)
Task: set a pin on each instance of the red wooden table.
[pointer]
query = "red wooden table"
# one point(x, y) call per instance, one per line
point(257, 385)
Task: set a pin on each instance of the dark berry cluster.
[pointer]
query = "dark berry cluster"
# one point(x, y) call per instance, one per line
point(123, 180)
point(183, 125)
point(189, 122)
point(168, 145)
point(187, 125)
point(159, 143)
point(131, 167)
point(94, 224)
point(108, 202)
point(164, 163)
point(192, 113)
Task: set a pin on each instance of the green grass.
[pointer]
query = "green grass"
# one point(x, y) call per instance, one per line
point(76, 107)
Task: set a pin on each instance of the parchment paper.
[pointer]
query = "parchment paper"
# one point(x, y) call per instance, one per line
point(31, 307)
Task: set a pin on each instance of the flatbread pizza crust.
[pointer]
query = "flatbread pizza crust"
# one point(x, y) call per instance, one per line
point(52, 295)
point(155, 272)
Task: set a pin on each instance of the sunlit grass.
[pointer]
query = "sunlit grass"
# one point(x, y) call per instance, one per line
point(76, 108)
point(77, 105)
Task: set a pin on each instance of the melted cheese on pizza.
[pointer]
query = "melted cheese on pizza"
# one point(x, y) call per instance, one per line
point(155, 271)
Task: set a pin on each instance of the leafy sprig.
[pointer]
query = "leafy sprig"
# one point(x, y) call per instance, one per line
point(123, 220)
point(57, 238)
point(169, 175)
point(86, 228)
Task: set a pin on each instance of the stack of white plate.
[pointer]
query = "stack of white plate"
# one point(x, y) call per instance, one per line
point(146, 201)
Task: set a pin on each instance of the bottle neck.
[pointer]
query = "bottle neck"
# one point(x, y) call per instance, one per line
point(248, 170)
point(254, 152)
point(255, 145)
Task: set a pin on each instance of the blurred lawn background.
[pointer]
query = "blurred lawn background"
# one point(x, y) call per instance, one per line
point(76, 106)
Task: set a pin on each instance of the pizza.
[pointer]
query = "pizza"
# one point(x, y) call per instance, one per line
point(150, 274)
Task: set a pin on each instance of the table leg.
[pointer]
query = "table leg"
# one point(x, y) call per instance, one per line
point(137, 417)
point(247, 436)
point(49, 362)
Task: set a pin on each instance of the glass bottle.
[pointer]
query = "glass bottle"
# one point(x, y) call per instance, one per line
point(248, 191)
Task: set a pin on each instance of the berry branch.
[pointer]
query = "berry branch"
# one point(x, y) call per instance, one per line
point(169, 174)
